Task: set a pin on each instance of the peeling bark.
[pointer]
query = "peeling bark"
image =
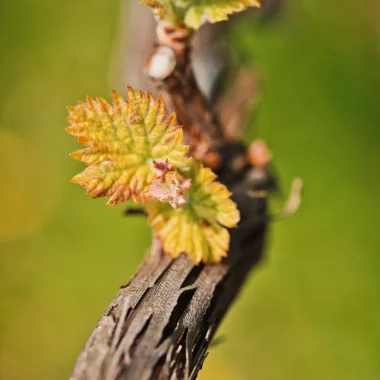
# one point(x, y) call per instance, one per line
point(160, 324)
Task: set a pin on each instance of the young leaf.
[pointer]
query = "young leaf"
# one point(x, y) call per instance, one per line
point(195, 13)
point(124, 139)
point(213, 11)
point(197, 228)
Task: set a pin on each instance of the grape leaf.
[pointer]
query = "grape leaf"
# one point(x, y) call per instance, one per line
point(135, 151)
point(195, 13)
point(123, 139)
point(197, 228)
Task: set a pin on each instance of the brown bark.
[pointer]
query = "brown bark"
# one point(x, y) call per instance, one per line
point(160, 324)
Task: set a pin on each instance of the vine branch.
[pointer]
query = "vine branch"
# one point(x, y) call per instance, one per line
point(160, 324)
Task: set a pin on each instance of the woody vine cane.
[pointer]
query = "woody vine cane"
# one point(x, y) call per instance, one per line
point(209, 231)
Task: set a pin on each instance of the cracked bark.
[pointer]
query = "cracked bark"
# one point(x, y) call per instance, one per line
point(159, 325)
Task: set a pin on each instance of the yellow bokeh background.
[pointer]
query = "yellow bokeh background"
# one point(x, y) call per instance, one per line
point(311, 311)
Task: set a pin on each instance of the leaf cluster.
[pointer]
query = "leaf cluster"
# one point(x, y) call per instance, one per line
point(133, 150)
point(194, 13)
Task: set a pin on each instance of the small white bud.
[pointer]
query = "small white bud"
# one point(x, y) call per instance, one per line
point(162, 63)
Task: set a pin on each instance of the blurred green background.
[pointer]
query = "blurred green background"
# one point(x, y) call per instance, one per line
point(312, 310)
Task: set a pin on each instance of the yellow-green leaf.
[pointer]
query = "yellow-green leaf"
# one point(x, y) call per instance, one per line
point(123, 139)
point(194, 13)
point(197, 229)
point(215, 10)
